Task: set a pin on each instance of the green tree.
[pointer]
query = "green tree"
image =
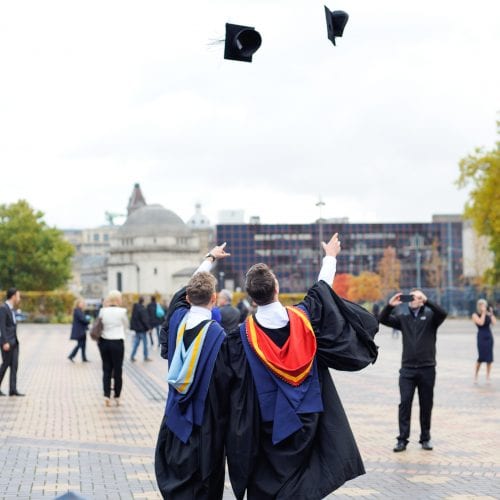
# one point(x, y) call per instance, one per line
point(33, 256)
point(482, 171)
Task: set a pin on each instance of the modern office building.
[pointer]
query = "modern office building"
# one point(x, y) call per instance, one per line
point(293, 251)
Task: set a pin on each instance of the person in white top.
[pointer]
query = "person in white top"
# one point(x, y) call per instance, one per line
point(111, 344)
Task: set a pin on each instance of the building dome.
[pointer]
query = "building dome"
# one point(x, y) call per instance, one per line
point(198, 220)
point(153, 220)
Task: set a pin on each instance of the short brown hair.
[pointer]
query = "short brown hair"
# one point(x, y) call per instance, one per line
point(260, 284)
point(200, 288)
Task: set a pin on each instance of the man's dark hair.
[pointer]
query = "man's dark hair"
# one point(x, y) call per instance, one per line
point(153, 298)
point(141, 300)
point(200, 289)
point(11, 292)
point(260, 284)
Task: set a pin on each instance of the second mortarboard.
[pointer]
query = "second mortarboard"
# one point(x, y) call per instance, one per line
point(335, 23)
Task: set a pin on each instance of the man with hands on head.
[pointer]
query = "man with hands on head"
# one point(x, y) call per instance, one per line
point(418, 321)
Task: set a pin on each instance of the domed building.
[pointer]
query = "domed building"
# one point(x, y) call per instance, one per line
point(153, 251)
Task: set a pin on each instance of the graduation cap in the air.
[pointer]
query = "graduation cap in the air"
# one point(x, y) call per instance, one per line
point(335, 23)
point(241, 42)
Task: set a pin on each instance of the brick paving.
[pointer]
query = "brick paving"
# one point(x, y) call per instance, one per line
point(61, 438)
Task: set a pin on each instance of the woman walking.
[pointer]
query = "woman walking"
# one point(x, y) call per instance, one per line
point(483, 318)
point(111, 344)
point(79, 330)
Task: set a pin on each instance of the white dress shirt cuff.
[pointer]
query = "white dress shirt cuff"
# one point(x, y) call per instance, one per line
point(205, 266)
point(328, 269)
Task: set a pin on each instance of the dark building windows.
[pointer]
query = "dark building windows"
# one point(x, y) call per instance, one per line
point(293, 251)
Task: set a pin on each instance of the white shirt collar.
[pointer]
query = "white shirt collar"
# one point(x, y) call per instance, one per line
point(196, 315)
point(273, 315)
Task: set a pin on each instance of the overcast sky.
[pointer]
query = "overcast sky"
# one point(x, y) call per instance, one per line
point(98, 95)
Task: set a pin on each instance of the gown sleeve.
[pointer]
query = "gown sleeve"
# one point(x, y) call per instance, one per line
point(242, 447)
point(344, 330)
point(178, 300)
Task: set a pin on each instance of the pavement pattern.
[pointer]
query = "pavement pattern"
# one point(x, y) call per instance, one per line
point(61, 438)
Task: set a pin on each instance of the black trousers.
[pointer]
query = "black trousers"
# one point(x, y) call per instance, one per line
point(112, 352)
point(81, 343)
point(10, 359)
point(410, 379)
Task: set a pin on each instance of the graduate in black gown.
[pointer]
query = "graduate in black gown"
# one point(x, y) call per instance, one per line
point(189, 458)
point(288, 435)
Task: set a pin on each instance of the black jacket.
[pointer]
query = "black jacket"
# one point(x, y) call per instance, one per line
point(153, 318)
point(419, 333)
point(139, 322)
point(80, 325)
point(8, 329)
point(230, 317)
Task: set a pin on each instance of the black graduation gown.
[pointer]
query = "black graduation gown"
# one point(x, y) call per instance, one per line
point(320, 457)
point(195, 470)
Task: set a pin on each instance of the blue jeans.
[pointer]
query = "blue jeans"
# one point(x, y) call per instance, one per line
point(138, 337)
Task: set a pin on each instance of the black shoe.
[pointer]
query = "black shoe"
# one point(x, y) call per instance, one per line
point(426, 445)
point(71, 359)
point(400, 446)
point(2, 393)
point(15, 393)
point(86, 360)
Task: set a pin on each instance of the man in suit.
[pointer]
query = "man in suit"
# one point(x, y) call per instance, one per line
point(8, 339)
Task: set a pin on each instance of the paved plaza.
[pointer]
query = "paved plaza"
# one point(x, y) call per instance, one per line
point(61, 438)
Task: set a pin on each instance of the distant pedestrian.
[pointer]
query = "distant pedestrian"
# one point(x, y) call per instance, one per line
point(418, 321)
point(156, 315)
point(484, 318)
point(111, 344)
point(230, 316)
point(245, 308)
point(9, 340)
point(139, 323)
point(79, 330)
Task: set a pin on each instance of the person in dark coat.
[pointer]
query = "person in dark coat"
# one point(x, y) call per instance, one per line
point(230, 316)
point(245, 307)
point(156, 315)
point(139, 323)
point(418, 322)
point(79, 330)
point(288, 434)
point(9, 342)
point(189, 457)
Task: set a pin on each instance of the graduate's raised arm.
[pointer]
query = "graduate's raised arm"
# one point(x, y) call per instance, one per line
point(179, 299)
point(217, 253)
point(329, 267)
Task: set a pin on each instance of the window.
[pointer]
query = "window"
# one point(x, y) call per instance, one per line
point(119, 281)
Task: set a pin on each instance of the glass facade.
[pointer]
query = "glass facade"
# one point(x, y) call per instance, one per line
point(293, 251)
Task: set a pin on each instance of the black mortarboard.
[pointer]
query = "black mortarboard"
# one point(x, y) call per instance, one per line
point(241, 42)
point(335, 23)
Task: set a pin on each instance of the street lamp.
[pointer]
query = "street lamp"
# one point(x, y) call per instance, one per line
point(320, 204)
